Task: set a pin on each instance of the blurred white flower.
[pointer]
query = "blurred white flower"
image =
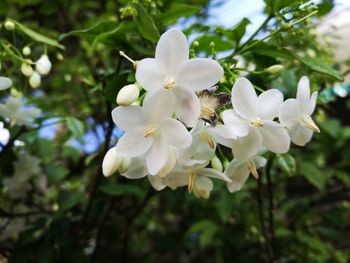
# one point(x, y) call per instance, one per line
point(4, 134)
point(26, 51)
point(26, 69)
point(43, 65)
point(35, 80)
point(5, 83)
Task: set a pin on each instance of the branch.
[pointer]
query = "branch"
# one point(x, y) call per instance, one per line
point(271, 208)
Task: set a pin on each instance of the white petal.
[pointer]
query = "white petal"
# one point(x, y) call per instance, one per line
point(149, 74)
point(156, 182)
point(202, 187)
point(170, 163)
point(239, 126)
point(300, 135)
point(274, 137)
point(268, 104)
point(176, 179)
point(312, 104)
point(198, 74)
point(238, 172)
point(176, 133)
point(157, 155)
point(137, 169)
point(222, 135)
point(132, 146)
point(130, 118)
point(289, 113)
point(245, 148)
point(159, 104)
point(187, 107)
point(244, 98)
point(303, 94)
point(5, 83)
point(260, 162)
point(210, 172)
point(172, 50)
point(111, 162)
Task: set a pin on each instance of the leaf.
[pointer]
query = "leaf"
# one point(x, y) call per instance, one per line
point(121, 189)
point(145, 24)
point(205, 229)
point(320, 66)
point(176, 11)
point(287, 163)
point(76, 127)
point(220, 43)
point(239, 29)
point(89, 34)
point(68, 200)
point(36, 36)
point(114, 84)
point(314, 175)
point(271, 51)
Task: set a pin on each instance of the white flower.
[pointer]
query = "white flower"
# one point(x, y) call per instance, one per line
point(113, 161)
point(26, 51)
point(150, 130)
point(238, 171)
point(4, 134)
point(295, 114)
point(17, 112)
point(35, 80)
point(43, 65)
point(252, 120)
point(128, 95)
point(26, 69)
point(5, 83)
point(172, 72)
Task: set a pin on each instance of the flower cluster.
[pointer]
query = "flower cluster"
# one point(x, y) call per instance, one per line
point(172, 138)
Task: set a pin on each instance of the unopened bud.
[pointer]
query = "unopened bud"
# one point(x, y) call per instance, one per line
point(43, 65)
point(274, 69)
point(216, 163)
point(27, 70)
point(111, 162)
point(26, 51)
point(35, 80)
point(128, 94)
point(59, 56)
point(9, 25)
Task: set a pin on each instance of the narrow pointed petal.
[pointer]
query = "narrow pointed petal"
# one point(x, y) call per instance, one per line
point(238, 172)
point(199, 74)
point(274, 137)
point(5, 83)
point(137, 169)
point(239, 126)
point(245, 148)
point(172, 50)
point(132, 146)
point(289, 113)
point(156, 182)
point(157, 155)
point(300, 135)
point(210, 172)
point(303, 94)
point(149, 74)
point(159, 104)
point(268, 104)
point(244, 98)
point(176, 133)
point(188, 106)
point(130, 118)
point(312, 104)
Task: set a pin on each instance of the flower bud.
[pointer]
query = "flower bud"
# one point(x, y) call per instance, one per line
point(274, 69)
point(35, 80)
point(59, 56)
point(26, 51)
point(43, 65)
point(128, 94)
point(27, 70)
point(216, 164)
point(9, 25)
point(111, 162)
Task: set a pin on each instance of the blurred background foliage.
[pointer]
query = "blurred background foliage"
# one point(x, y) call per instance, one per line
point(299, 209)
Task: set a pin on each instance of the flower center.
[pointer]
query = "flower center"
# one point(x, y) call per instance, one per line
point(252, 169)
point(151, 132)
point(206, 137)
point(307, 122)
point(191, 180)
point(257, 122)
point(169, 83)
point(207, 111)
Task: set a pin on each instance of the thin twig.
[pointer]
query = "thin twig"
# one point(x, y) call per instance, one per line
point(271, 208)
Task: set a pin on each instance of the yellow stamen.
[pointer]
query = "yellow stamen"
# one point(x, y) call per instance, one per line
point(150, 132)
point(252, 169)
point(169, 83)
point(207, 111)
point(206, 137)
point(191, 181)
point(257, 122)
point(307, 122)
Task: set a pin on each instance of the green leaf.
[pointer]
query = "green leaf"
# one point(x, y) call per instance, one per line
point(239, 29)
point(89, 34)
point(287, 163)
point(271, 51)
point(314, 175)
point(36, 36)
point(68, 200)
point(206, 231)
point(145, 24)
point(76, 127)
point(176, 11)
point(121, 189)
point(320, 66)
